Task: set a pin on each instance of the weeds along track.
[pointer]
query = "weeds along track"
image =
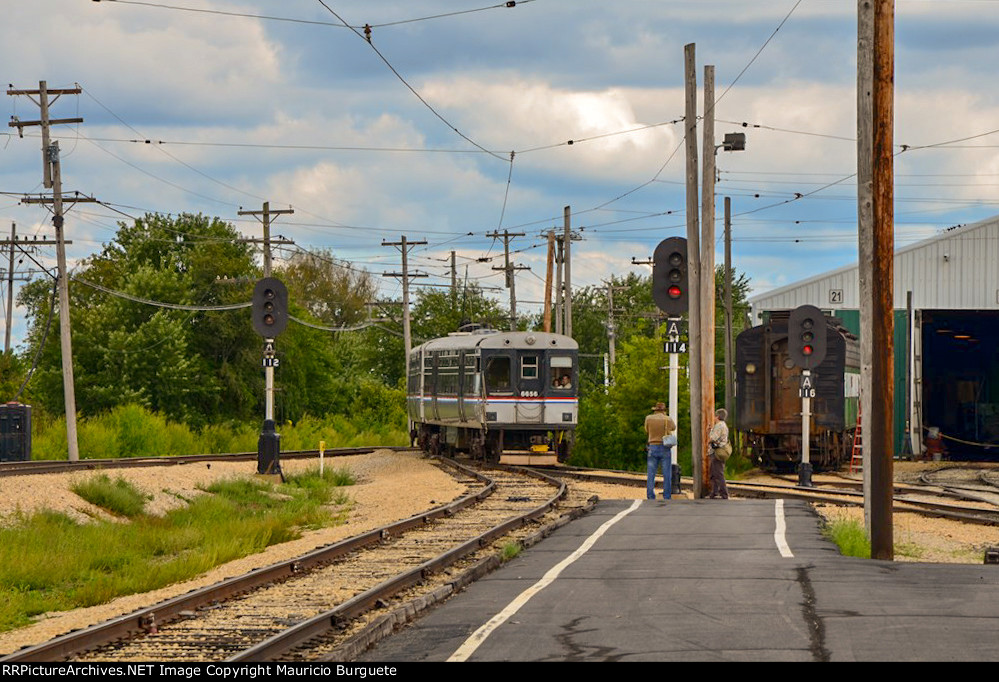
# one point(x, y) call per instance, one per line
point(259, 616)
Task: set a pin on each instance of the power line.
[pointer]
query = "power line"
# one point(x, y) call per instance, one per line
point(246, 15)
point(406, 83)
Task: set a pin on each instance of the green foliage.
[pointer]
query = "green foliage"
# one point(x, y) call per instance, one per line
point(610, 432)
point(435, 313)
point(169, 361)
point(511, 550)
point(12, 371)
point(322, 488)
point(118, 497)
point(850, 537)
point(377, 418)
point(333, 293)
point(50, 563)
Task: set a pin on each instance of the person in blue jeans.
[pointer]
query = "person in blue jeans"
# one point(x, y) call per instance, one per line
point(657, 425)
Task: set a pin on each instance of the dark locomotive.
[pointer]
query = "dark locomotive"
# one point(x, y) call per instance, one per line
point(493, 394)
point(768, 406)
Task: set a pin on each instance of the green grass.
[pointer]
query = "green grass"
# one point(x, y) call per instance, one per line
point(49, 562)
point(850, 537)
point(118, 497)
point(510, 551)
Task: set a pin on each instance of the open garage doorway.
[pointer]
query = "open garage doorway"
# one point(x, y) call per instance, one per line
point(960, 381)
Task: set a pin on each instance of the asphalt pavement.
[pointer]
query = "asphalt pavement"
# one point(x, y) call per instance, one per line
point(707, 580)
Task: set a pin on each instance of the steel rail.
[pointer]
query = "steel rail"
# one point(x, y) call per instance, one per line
point(297, 635)
point(148, 619)
point(23, 468)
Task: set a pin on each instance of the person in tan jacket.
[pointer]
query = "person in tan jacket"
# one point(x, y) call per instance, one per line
point(658, 425)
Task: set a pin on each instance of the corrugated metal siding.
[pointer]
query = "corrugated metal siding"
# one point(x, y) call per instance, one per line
point(957, 270)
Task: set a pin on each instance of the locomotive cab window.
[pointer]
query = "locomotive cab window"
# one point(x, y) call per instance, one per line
point(498, 374)
point(560, 376)
point(529, 367)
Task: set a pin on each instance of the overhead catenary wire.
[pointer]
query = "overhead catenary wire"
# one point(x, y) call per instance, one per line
point(329, 24)
point(413, 90)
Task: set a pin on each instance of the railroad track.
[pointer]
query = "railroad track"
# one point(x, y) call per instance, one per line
point(970, 483)
point(911, 498)
point(43, 466)
point(304, 606)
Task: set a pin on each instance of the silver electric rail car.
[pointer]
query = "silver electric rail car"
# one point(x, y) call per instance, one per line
point(493, 394)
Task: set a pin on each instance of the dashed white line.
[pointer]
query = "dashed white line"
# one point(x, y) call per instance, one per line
point(782, 547)
point(480, 635)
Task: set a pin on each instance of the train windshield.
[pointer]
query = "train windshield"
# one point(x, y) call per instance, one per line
point(561, 372)
point(498, 374)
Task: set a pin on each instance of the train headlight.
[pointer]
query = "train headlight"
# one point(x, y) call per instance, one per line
point(750, 368)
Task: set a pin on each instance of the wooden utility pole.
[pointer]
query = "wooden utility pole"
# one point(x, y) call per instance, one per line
point(865, 224)
point(10, 289)
point(611, 325)
point(404, 246)
point(53, 179)
point(882, 285)
point(548, 282)
point(568, 272)
point(729, 379)
point(559, 298)
point(454, 275)
point(510, 270)
point(708, 265)
point(697, 441)
point(264, 215)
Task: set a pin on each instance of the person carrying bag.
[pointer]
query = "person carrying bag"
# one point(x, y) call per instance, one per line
point(720, 450)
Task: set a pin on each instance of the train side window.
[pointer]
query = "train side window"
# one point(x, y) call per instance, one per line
point(498, 373)
point(561, 372)
point(529, 367)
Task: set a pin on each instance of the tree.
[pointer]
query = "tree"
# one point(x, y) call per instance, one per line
point(436, 313)
point(610, 430)
point(332, 292)
point(169, 360)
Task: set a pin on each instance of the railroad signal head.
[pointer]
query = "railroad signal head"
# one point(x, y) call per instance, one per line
point(669, 276)
point(270, 307)
point(806, 336)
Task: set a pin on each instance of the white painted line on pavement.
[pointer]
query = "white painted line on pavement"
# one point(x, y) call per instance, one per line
point(785, 551)
point(480, 635)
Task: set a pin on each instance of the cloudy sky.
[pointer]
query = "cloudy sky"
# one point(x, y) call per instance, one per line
point(413, 134)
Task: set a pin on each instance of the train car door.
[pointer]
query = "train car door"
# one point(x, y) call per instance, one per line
point(499, 368)
point(785, 405)
point(431, 365)
point(916, 383)
point(530, 408)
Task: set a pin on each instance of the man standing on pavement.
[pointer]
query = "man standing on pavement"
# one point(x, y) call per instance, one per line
point(658, 425)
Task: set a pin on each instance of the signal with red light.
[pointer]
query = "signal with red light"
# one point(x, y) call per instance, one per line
point(669, 276)
point(806, 336)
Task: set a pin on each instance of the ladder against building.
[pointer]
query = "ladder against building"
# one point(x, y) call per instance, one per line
point(857, 453)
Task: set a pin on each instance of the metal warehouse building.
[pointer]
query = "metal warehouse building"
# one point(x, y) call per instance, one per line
point(946, 293)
